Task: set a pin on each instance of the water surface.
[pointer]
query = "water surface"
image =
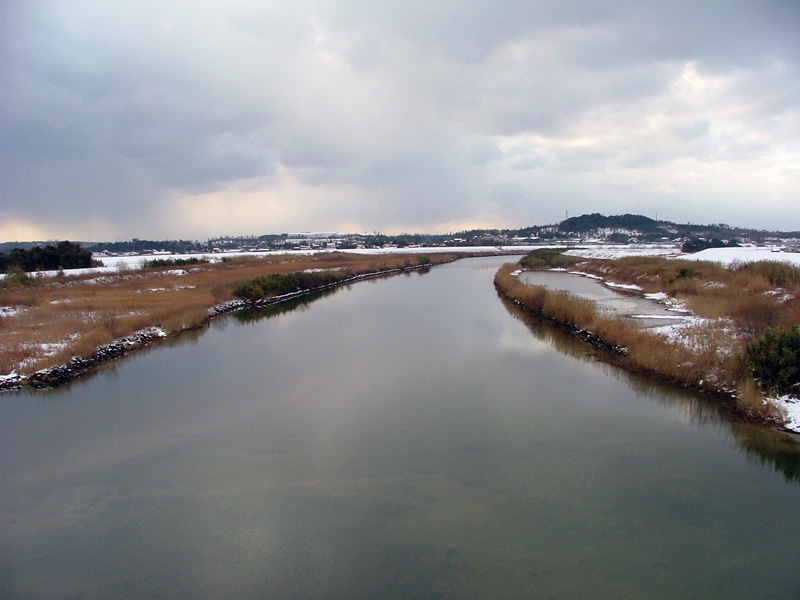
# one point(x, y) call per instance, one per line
point(412, 437)
point(629, 304)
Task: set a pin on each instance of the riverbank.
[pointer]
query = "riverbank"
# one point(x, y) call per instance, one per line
point(707, 356)
point(68, 327)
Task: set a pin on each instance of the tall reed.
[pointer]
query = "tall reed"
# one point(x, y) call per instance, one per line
point(710, 360)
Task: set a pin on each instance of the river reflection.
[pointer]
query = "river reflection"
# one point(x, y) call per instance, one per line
point(766, 445)
point(401, 438)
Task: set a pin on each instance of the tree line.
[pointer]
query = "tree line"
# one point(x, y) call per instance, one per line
point(64, 255)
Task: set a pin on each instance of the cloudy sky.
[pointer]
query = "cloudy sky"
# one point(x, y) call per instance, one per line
point(192, 119)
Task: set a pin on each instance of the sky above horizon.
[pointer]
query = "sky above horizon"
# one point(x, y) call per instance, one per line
point(194, 119)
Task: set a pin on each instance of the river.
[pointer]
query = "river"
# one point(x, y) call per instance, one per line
point(410, 437)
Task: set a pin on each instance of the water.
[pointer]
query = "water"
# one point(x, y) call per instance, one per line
point(630, 305)
point(404, 438)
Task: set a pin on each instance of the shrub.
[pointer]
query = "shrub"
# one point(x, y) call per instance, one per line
point(16, 277)
point(548, 258)
point(278, 284)
point(779, 274)
point(775, 360)
point(175, 262)
point(754, 314)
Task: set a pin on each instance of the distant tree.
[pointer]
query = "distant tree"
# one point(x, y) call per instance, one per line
point(618, 238)
point(697, 244)
point(64, 255)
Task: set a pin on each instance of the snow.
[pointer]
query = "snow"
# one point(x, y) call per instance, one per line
point(163, 289)
point(136, 262)
point(11, 377)
point(623, 286)
point(582, 274)
point(621, 250)
point(727, 256)
point(611, 284)
point(678, 332)
point(658, 296)
point(791, 409)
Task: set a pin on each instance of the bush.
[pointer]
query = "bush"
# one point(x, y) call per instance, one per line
point(755, 313)
point(16, 277)
point(775, 360)
point(548, 258)
point(175, 262)
point(778, 273)
point(278, 284)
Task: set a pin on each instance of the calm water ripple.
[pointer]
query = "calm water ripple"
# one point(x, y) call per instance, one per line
point(404, 438)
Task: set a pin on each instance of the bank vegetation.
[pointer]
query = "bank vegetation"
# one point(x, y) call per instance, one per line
point(48, 322)
point(743, 346)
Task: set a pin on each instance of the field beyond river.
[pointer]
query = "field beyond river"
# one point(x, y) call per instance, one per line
point(708, 317)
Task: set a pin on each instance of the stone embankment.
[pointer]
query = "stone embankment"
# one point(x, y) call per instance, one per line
point(78, 365)
point(81, 365)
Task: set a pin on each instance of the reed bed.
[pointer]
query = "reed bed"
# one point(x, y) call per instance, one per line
point(756, 295)
point(47, 324)
point(711, 356)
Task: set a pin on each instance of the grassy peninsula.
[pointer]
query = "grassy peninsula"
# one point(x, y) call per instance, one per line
point(743, 346)
point(84, 320)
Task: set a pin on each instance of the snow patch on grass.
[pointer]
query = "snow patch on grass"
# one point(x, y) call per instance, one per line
point(658, 296)
point(582, 274)
point(163, 289)
point(693, 332)
point(727, 256)
point(623, 286)
point(780, 294)
point(619, 251)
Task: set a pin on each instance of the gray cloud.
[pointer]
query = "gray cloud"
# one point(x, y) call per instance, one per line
point(394, 115)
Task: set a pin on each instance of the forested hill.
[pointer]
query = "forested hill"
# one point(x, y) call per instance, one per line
point(619, 227)
point(596, 221)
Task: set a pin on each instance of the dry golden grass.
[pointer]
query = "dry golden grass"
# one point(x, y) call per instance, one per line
point(68, 316)
point(755, 295)
point(753, 402)
point(743, 301)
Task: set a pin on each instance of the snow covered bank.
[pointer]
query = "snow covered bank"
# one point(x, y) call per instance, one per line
point(79, 364)
point(791, 408)
point(612, 251)
point(728, 256)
